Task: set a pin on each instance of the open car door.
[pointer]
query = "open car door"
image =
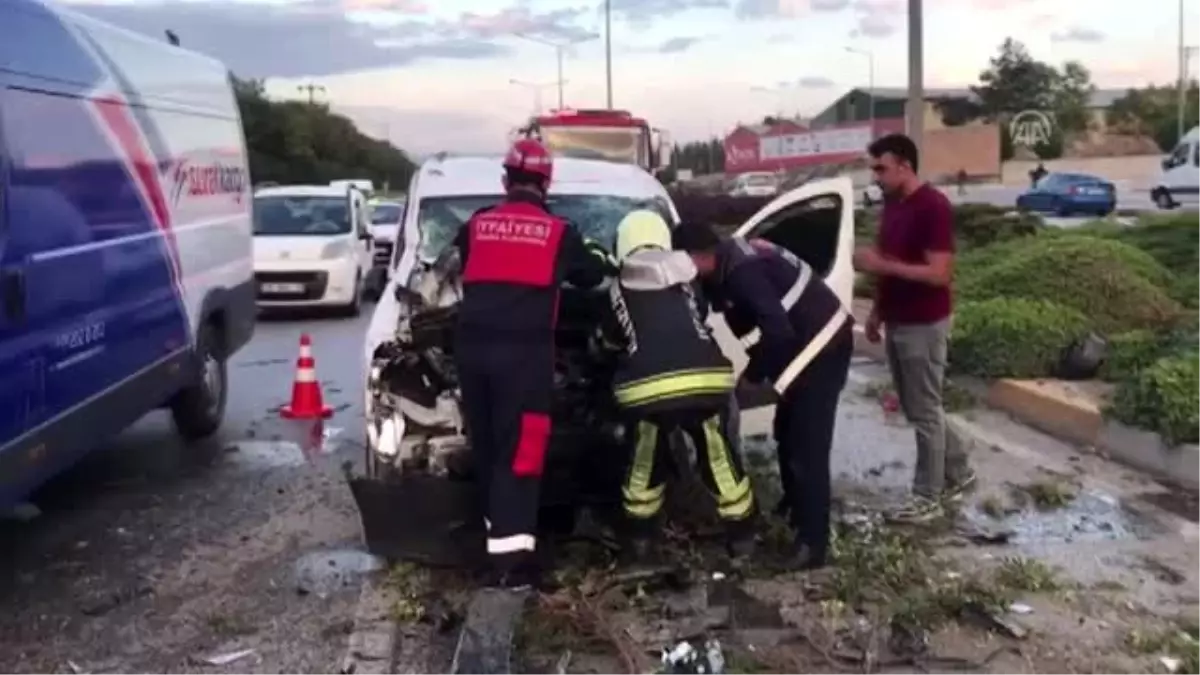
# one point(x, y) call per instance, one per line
point(816, 223)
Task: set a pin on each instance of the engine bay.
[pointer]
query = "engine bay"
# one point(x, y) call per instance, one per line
point(415, 423)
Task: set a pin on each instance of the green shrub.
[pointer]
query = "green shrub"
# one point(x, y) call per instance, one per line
point(1117, 286)
point(1012, 337)
point(1163, 398)
point(983, 230)
point(1129, 353)
point(1174, 241)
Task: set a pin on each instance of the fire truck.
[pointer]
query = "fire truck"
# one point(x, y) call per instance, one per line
point(613, 135)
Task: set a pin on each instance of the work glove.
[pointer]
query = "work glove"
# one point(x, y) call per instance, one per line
point(597, 249)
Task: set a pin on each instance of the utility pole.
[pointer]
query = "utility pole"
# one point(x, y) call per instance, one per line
point(1183, 64)
point(916, 75)
point(559, 49)
point(608, 52)
point(311, 89)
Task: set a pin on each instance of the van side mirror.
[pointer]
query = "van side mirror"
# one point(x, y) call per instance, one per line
point(1168, 163)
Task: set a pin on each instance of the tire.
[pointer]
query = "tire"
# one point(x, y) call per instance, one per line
point(355, 306)
point(1163, 200)
point(199, 410)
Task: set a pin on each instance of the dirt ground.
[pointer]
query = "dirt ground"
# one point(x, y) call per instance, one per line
point(1058, 561)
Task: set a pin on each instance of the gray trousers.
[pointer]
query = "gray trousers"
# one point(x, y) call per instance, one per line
point(916, 356)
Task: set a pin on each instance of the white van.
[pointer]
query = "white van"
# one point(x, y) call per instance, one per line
point(313, 246)
point(1179, 183)
point(755, 184)
point(363, 185)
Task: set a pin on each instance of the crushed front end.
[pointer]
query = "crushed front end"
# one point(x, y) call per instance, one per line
point(418, 497)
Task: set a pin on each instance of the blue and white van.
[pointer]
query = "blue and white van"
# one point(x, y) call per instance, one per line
point(126, 277)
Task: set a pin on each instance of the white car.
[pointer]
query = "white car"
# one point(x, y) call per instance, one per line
point(1179, 182)
point(386, 216)
point(313, 246)
point(755, 184)
point(411, 401)
point(872, 194)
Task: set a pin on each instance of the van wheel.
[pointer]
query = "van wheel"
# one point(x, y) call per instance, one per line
point(1163, 200)
point(199, 409)
point(355, 306)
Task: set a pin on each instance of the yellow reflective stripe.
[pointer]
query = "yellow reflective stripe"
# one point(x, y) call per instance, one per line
point(734, 497)
point(675, 373)
point(675, 384)
point(640, 499)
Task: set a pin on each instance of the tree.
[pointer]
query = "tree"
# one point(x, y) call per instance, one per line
point(1071, 96)
point(699, 156)
point(1015, 81)
point(1153, 111)
point(296, 142)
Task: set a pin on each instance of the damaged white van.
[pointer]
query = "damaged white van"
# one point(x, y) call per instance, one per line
point(417, 461)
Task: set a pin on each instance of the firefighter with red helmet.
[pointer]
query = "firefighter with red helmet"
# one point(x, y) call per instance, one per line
point(515, 256)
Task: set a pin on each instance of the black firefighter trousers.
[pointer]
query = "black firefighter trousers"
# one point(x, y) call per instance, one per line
point(644, 489)
point(805, 416)
point(507, 389)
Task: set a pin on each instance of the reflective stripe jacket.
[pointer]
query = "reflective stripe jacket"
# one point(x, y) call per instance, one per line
point(515, 256)
point(669, 359)
point(779, 308)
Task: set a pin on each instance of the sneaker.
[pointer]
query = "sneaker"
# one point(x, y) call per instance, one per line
point(918, 509)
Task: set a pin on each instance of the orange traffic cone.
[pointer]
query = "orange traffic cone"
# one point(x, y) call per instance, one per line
point(306, 391)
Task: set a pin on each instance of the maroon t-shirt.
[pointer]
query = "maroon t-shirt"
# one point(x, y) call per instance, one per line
point(921, 223)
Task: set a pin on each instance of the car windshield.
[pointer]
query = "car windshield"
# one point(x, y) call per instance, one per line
point(300, 215)
point(1049, 180)
point(386, 214)
point(596, 217)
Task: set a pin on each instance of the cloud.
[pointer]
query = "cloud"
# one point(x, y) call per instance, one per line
point(874, 26)
point(765, 9)
point(642, 13)
point(814, 82)
point(1078, 34)
point(313, 38)
point(424, 132)
point(677, 44)
point(557, 25)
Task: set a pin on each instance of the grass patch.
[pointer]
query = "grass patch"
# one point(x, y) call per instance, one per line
point(1027, 575)
point(230, 625)
point(1179, 641)
point(410, 584)
point(1049, 494)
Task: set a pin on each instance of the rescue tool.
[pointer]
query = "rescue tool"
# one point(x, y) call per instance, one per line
point(307, 403)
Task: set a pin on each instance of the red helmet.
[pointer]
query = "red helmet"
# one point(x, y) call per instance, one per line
point(530, 156)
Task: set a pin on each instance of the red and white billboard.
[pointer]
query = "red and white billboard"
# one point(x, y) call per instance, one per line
point(789, 148)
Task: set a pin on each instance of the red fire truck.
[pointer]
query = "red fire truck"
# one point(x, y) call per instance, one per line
point(614, 135)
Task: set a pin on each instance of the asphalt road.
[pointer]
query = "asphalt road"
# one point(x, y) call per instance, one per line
point(153, 554)
point(1129, 198)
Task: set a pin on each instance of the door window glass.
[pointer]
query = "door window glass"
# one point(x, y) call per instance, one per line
point(809, 229)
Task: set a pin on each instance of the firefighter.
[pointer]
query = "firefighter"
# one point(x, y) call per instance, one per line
point(799, 338)
point(671, 376)
point(515, 256)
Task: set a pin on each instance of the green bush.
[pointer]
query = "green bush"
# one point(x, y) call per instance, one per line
point(983, 230)
point(1163, 398)
point(1117, 286)
point(1129, 353)
point(1012, 337)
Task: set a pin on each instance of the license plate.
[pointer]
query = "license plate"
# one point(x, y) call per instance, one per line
point(283, 288)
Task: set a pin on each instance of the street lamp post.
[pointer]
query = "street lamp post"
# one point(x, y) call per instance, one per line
point(537, 88)
point(916, 75)
point(870, 84)
point(1183, 66)
point(559, 49)
point(608, 53)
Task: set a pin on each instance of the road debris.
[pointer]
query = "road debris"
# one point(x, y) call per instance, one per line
point(323, 572)
point(224, 659)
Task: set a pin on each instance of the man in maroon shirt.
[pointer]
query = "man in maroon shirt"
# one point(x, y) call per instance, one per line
point(913, 261)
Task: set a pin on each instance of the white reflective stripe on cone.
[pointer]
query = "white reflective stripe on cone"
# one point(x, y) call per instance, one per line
point(306, 375)
point(305, 352)
point(810, 352)
point(789, 300)
point(511, 544)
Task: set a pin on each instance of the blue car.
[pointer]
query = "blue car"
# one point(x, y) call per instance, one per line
point(1066, 194)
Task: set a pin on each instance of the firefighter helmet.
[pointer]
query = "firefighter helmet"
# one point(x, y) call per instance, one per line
point(639, 229)
point(530, 156)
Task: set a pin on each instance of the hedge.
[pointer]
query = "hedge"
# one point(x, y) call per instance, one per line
point(1132, 352)
point(1012, 337)
point(1162, 398)
point(1118, 286)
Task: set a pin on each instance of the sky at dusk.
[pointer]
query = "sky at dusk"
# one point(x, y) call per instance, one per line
point(436, 74)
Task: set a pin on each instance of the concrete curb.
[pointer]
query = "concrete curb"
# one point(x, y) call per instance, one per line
point(1072, 417)
point(372, 646)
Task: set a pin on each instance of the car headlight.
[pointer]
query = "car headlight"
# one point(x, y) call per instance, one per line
point(335, 249)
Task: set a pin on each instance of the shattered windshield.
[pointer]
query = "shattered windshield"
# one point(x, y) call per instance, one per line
point(596, 217)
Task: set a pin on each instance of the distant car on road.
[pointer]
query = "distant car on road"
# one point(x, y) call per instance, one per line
point(1179, 182)
point(1066, 194)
